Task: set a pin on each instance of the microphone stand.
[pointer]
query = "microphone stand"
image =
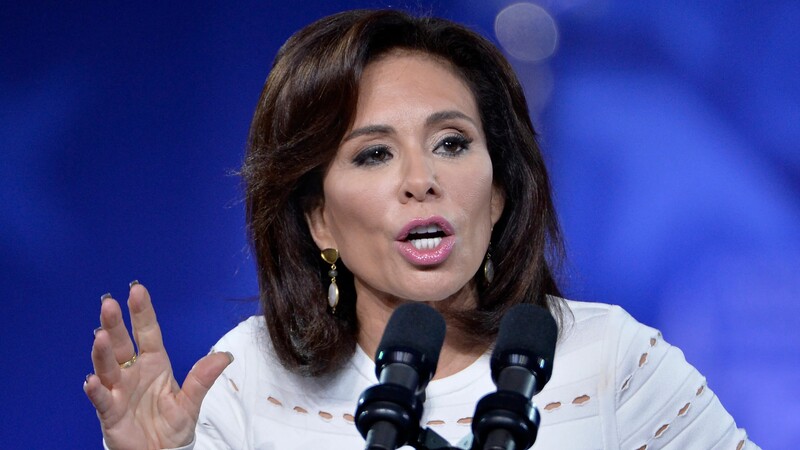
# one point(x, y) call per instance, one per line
point(430, 440)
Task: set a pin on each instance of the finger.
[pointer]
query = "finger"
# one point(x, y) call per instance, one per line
point(98, 394)
point(111, 321)
point(200, 379)
point(146, 331)
point(105, 363)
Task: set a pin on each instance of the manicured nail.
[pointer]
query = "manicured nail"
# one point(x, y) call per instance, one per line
point(133, 283)
point(105, 296)
point(87, 378)
point(96, 330)
point(230, 356)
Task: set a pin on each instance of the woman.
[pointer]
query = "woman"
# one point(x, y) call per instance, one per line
point(401, 149)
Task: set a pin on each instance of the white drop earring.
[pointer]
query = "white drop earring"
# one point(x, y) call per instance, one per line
point(330, 256)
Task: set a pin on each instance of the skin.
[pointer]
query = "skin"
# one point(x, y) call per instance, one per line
point(425, 167)
point(416, 149)
point(143, 406)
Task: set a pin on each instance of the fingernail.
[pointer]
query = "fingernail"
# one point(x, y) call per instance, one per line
point(133, 283)
point(87, 378)
point(96, 330)
point(230, 356)
point(105, 296)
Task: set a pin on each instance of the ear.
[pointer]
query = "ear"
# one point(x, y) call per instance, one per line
point(498, 202)
point(319, 227)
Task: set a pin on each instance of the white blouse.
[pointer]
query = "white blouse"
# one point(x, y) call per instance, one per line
point(616, 384)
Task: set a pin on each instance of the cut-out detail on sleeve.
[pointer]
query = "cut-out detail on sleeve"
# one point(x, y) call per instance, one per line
point(326, 416)
point(653, 341)
point(435, 423)
point(464, 421)
point(274, 401)
point(349, 418)
point(552, 406)
point(581, 399)
point(741, 445)
point(626, 383)
point(300, 410)
point(235, 387)
point(682, 412)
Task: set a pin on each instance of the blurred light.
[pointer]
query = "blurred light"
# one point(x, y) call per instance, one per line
point(537, 81)
point(526, 31)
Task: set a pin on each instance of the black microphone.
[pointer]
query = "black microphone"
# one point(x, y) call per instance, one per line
point(522, 363)
point(388, 413)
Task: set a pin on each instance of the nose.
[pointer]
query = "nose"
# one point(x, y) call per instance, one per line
point(419, 179)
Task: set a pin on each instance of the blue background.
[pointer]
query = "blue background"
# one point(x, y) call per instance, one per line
point(671, 130)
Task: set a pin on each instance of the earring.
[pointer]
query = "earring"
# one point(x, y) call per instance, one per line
point(488, 268)
point(330, 256)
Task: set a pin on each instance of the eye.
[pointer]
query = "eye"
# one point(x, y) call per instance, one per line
point(373, 156)
point(452, 145)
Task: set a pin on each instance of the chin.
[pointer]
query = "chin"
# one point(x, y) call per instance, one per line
point(441, 295)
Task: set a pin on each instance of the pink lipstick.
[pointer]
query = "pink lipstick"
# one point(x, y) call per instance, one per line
point(426, 242)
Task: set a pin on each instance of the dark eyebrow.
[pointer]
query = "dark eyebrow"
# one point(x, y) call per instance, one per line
point(369, 129)
point(442, 116)
point(433, 119)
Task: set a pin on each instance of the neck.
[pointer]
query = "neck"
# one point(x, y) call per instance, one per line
point(373, 314)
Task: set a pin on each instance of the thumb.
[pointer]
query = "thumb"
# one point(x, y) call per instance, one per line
point(201, 378)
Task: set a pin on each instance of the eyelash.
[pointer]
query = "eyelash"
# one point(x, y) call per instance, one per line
point(372, 156)
point(462, 142)
point(379, 154)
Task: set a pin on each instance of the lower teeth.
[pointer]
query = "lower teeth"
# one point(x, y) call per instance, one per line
point(426, 243)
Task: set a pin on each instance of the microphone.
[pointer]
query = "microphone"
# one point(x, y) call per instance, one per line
point(388, 413)
point(521, 364)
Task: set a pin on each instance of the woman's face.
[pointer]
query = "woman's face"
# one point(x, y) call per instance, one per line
point(409, 200)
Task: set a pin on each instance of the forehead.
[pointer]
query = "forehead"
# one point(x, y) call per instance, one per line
point(401, 78)
point(398, 55)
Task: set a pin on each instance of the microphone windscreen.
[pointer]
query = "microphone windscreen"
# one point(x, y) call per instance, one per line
point(527, 330)
point(415, 327)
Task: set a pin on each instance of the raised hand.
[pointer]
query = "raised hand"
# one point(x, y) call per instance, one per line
point(139, 403)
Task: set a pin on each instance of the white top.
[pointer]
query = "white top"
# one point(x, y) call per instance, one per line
point(616, 384)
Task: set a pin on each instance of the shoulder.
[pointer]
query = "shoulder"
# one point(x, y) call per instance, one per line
point(249, 336)
point(644, 385)
point(257, 368)
point(257, 403)
point(256, 371)
point(587, 323)
point(595, 346)
point(604, 339)
point(255, 361)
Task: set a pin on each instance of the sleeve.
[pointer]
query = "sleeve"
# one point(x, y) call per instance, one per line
point(661, 401)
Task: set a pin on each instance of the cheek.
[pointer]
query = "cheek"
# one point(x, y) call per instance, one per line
point(474, 192)
point(354, 208)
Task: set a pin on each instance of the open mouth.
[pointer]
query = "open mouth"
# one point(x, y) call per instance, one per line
point(426, 237)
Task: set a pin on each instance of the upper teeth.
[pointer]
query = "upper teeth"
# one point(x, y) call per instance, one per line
point(421, 243)
point(422, 229)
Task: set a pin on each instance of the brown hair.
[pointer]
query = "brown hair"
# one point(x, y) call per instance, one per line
point(307, 105)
